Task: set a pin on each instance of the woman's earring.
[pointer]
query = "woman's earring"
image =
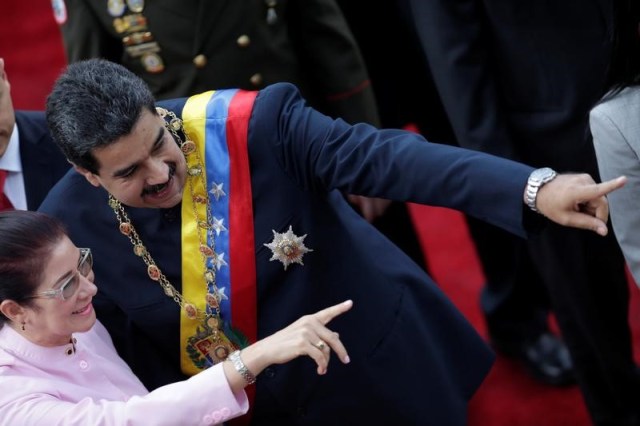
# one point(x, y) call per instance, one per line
point(23, 323)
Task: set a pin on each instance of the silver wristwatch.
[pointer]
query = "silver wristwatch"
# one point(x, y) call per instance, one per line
point(537, 178)
point(246, 374)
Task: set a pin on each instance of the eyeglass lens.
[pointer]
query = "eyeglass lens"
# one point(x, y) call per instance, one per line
point(84, 267)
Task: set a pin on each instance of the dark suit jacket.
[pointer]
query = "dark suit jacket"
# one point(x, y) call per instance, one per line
point(309, 45)
point(519, 78)
point(415, 359)
point(43, 164)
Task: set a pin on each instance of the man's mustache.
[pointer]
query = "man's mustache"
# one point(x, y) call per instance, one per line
point(158, 187)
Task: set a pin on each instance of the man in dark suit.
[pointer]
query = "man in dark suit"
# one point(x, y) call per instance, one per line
point(188, 47)
point(233, 223)
point(30, 163)
point(518, 80)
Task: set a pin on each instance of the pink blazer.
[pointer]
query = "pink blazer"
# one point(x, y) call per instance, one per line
point(93, 385)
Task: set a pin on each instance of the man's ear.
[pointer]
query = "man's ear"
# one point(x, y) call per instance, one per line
point(92, 178)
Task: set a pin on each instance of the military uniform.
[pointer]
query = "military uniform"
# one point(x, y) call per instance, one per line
point(187, 47)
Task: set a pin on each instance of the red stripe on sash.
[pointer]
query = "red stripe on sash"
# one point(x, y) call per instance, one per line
point(241, 243)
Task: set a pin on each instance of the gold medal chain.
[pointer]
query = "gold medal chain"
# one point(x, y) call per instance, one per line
point(126, 227)
point(196, 171)
point(154, 272)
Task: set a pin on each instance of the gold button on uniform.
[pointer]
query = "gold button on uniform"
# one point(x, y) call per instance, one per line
point(256, 79)
point(200, 61)
point(243, 40)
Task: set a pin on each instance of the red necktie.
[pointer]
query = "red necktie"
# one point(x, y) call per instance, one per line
point(5, 204)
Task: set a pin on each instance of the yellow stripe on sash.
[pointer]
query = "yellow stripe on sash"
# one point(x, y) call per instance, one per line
point(193, 284)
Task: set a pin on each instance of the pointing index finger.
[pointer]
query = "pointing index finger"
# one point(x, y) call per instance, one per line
point(327, 314)
point(609, 186)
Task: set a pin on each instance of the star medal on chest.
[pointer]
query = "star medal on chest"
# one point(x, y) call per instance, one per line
point(288, 248)
point(214, 339)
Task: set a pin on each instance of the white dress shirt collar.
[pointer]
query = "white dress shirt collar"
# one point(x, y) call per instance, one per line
point(10, 161)
point(14, 186)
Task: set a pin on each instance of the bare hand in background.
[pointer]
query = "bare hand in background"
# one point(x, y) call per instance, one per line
point(369, 208)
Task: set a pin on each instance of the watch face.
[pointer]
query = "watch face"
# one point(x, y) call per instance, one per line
point(543, 175)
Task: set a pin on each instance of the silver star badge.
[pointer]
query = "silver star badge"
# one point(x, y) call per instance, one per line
point(221, 293)
point(218, 226)
point(218, 260)
point(216, 190)
point(288, 248)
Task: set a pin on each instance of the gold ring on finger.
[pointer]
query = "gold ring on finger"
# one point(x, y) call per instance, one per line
point(320, 345)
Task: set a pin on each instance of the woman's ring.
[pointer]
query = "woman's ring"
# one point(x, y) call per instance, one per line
point(320, 345)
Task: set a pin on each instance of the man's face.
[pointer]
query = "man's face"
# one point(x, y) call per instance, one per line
point(7, 115)
point(142, 169)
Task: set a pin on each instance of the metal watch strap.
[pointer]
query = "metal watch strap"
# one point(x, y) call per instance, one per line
point(536, 180)
point(241, 368)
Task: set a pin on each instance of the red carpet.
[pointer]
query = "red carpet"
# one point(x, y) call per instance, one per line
point(508, 397)
point(30, 44)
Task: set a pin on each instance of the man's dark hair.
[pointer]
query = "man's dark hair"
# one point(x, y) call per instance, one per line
point(93, 104)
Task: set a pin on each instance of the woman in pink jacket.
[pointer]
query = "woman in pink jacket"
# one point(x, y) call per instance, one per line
point(58, 364)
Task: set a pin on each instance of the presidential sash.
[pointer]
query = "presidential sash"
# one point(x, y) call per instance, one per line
point(217, 122)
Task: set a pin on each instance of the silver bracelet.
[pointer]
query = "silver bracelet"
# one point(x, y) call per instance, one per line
point(242, 369)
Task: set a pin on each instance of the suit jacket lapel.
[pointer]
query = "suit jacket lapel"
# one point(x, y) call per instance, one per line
point(30, 156)
point(36, 158)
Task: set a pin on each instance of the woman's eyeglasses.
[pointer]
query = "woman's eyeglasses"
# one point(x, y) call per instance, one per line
point(71, 284)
